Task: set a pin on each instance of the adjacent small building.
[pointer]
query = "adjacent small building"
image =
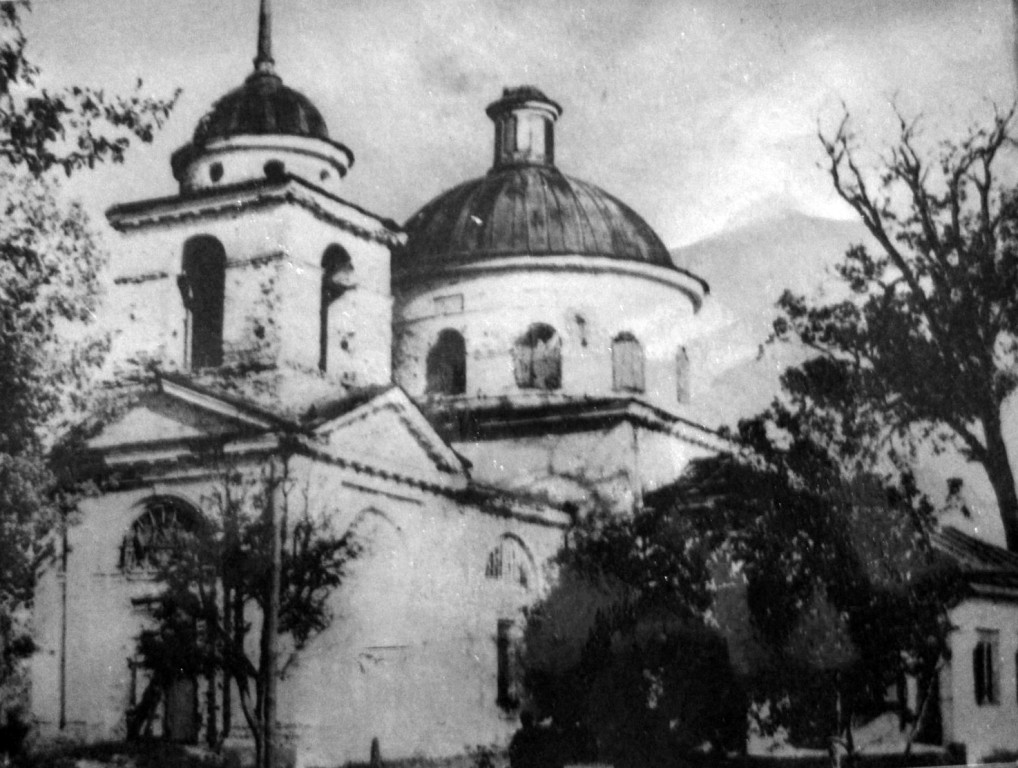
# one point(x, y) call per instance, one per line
point(978, 691)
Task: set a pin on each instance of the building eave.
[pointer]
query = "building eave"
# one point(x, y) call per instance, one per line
point(238, 198)
point(492, 417)
point(693, 286)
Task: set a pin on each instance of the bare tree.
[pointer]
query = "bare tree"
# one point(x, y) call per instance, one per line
point(925, 348)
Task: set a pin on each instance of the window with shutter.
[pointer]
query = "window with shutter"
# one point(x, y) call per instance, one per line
point(537, 358)
point(627, 364)
point(985, 667)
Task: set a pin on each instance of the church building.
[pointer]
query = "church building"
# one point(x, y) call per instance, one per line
point(452, 391)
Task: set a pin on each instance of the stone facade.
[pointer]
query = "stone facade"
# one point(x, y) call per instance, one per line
point(264, 316)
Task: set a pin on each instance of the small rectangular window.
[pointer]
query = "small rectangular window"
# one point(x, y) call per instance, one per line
point(985, 667)
point(449, 305)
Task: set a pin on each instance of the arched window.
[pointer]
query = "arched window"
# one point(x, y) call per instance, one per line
point(510, 562)
point(627, 363)
point(447, 364)
point(537, 358)
point(682, 388)
point(336, 273)
point(167, 527)
point(202, 284)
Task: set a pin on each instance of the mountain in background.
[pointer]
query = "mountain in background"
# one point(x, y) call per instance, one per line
point(748, 265)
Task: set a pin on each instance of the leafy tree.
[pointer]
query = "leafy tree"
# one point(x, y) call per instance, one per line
point(50, 262)
point(844, 589)
point(622, 655)
point(924, 349)
point(217, 593)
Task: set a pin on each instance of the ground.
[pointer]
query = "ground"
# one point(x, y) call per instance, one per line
point(159, 754)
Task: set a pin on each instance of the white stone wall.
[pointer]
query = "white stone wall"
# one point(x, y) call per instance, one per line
point(243, 158)
point(587, 308)
point(410, 656)
point(985, 728)
point(272, 295)
point(101, 624)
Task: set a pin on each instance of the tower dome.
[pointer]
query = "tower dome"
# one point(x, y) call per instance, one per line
point(262, 105)
point(263, 128)
point(525, 206)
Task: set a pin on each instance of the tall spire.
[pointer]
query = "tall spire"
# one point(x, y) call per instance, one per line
point(263, 61)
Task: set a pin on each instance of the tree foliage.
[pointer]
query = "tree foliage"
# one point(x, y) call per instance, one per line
point(924, 348)
point(843, 594)
point(845, 591)
point(50, 264)
point(71, 128)
point(215, 593)
point(622, 655)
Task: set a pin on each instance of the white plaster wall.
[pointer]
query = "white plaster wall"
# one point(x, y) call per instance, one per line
point(607, 468)
point(985, 728)
point(588, 309)
point(243, 158)
point(661, 458)
point(591, 469)
point(102, 625)
point(410, 656)
point(271, 311)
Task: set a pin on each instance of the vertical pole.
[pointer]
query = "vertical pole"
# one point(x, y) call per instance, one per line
point(63, 621)
point(273, 502)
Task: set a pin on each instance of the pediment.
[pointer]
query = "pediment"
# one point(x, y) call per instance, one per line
point(174, 414)
point(389, 432)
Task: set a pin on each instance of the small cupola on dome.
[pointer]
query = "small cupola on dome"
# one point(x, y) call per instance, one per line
point(524, 127)
point(524, 206)
point(261, 129)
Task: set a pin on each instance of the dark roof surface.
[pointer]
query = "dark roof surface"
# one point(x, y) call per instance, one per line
point(526, 210)
point(979, 561)
point(262, 105)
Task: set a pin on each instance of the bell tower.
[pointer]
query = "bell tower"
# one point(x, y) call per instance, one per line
point(258, 273)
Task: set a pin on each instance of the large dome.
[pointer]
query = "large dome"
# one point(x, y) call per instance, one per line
point(262, 105)
point(526, 210)
point(525, 206)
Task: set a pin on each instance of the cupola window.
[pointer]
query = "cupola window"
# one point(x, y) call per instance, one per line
point(447, 364)
point(202, 284)
point(336, 280)
point(627, 364)
point(524, 127)
point(537, 358)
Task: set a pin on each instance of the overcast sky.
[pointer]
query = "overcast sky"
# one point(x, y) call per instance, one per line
point(692, 112)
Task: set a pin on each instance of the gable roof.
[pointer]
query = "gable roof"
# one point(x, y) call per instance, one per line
point(986, 567)
point(169, 421)
point(392, 400)
point(227, 200)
